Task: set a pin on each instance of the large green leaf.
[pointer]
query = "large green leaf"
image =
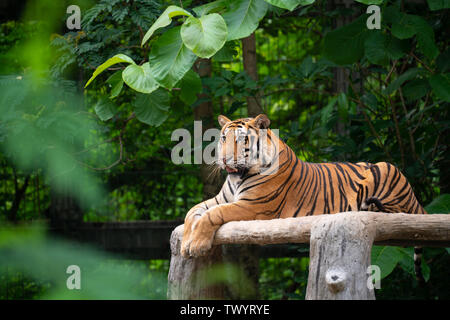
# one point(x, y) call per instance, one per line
point(386, 258)
point(140, 78)
point(405, 26)
point(164, 20)
point(346, 44)
point(170, 59)
point(118, 58)
point(440, 204)
point(190, 85)
point(152, 109)
point(290, 4)
point(243, 17)
point(204, 36)
point(380, 48)
point(441, 86)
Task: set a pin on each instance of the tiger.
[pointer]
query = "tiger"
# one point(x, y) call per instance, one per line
point(256, 190)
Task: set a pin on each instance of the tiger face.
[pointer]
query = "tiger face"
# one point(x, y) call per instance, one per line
point(245, 145)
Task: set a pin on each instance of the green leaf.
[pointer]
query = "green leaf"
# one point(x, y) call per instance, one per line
point(212, 7)
point(204, 36)
point(440, 83)
point(116, 83)
point(438, 4)
point(118, 58)
point(152, 109)
point(405, 26)
point(190, 85)
point(440, 204)
point(105, 109)
point(386, 258)
point(380, 48)
point(443, 61)
point(408, 75)
point(425, 38)
point(307, 67)
point(346, 44)
point(170, 59)
point(243, 17)
point(416, 89)
point(164, 20)
point(290, 4)
point(140, 78)
point(327, 111)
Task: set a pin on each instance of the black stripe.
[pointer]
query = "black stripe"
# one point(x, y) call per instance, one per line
point(331, 186)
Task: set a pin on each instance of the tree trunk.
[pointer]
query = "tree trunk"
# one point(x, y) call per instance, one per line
point(18, 196)
point(212, 182)
point(250, 66)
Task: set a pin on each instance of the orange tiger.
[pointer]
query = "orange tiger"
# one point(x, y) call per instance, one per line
point(256, 189)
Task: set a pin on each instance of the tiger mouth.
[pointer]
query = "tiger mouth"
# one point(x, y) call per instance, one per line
point(231, 170)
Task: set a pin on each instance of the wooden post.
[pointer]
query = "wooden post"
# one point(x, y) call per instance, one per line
point(188, 278)
point(340, 248)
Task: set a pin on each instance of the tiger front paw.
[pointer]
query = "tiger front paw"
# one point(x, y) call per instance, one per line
point(200, 239)
point(200, 245)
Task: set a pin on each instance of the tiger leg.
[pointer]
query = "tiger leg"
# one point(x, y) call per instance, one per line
point(192, 216)
point(204, 229)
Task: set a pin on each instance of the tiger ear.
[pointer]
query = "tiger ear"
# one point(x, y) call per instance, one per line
point(223, 120)
point(261, 121)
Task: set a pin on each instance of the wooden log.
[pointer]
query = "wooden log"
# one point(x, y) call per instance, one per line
point(395, 228)
point(338, 277)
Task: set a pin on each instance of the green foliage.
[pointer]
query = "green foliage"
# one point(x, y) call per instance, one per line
point(440, 204)
point(164, 20)
point(243, 17)
point(205, 35)
point(170, 59)
point(118, 58)
point(290, 4)
point(152, 109)
point(140, 78)
point(346, 44)
point(44, 260)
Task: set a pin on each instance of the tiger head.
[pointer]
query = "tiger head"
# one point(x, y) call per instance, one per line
point(246, 145)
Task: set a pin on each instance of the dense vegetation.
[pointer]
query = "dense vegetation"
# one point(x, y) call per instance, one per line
point(336, 90)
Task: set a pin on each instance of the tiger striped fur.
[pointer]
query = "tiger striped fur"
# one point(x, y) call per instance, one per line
point(294, 189)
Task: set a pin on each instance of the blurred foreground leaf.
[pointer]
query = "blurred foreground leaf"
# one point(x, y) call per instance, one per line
point(29, 250)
